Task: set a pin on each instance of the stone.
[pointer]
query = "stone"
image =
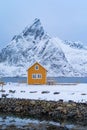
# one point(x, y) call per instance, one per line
point(32, 102)
point(56, 93)
point(69, 105)
point(59, 108)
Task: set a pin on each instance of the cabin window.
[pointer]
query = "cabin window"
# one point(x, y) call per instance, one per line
point(39, 76)
point(36, 76)
point(36, 67)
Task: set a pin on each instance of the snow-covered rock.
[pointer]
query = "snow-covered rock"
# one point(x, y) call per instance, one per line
point(34, 44)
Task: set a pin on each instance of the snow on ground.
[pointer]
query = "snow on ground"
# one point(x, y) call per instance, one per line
point(75, 92)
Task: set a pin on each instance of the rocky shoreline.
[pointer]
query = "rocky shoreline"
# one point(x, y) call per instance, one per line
point(58, 111)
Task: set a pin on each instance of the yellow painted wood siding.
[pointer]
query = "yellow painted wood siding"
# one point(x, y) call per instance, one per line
point(41, 71)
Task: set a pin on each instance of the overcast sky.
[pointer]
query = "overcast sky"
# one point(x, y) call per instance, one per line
point(66, 19)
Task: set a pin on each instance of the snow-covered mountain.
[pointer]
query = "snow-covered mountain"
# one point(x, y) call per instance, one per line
point(76, 54)
point(34, 44)
point(75, 45)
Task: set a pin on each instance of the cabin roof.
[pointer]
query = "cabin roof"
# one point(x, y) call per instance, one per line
point(37, 63)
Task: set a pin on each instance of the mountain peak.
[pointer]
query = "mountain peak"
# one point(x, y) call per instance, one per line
point(37, 21)
point(35, 30)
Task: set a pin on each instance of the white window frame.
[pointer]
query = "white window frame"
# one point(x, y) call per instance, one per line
point(36, 67)
point(39, 76)
point(33, 76)
point(36, 76)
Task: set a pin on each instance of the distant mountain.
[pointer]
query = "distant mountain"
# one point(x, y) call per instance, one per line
point(76, 54)
point(34, 44)
point(74, 44)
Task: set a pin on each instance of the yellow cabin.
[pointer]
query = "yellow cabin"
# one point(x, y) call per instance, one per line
point(36, 74)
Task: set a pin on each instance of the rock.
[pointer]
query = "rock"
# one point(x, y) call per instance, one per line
point(12, 91)
point(74, 104)
point(51, 127)
point(12, 127)
point(4, 95)
point(44, 92)
point(71, 115)
point(33, 91)
point(32, 102)
point(59, 108)
point(69, 105)
point(61, 101)
point(2, 90)
point(56, 93)
point(17, 109)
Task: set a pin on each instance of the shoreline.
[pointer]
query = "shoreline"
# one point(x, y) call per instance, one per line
point(54, 110)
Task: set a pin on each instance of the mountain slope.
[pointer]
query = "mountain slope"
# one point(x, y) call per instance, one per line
point(34, 44)
point(76, 54)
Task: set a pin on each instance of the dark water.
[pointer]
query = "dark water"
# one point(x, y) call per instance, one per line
point(10, 122)
point(71, 79)
point(14, 79)
point(56, 79)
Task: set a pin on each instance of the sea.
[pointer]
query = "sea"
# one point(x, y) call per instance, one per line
point(56, 79)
